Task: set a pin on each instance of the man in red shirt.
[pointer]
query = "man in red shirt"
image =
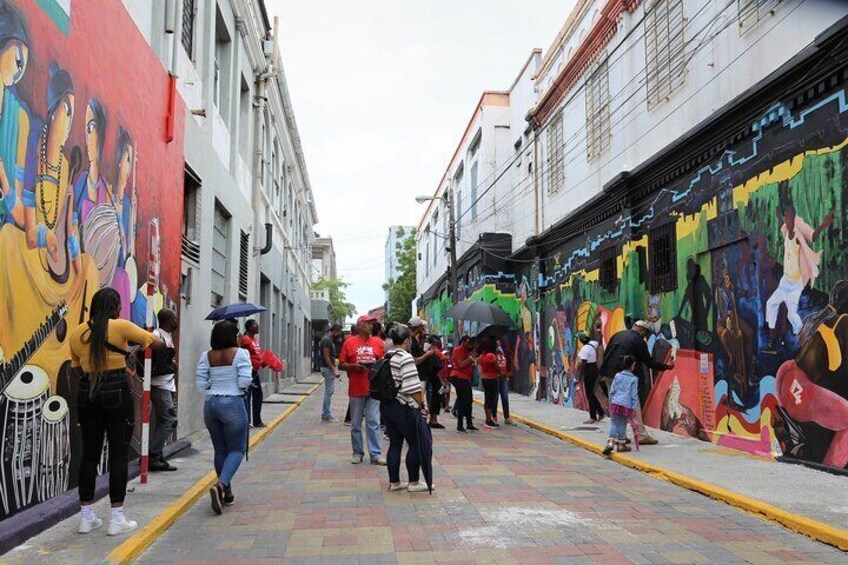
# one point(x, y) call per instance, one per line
point(359, 352)
point(249, 342)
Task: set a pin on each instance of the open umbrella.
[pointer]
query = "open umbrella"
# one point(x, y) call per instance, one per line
point(235, 311)
point(478, 311)
point(424, 441)
point(495, 331)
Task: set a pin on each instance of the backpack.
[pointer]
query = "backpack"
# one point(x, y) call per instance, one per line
point(383, 385)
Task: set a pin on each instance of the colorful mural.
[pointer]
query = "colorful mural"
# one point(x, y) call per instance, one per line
point(758, 312)
point(84, 171)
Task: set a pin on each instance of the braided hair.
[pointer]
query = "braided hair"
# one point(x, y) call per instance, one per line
point(105, 305)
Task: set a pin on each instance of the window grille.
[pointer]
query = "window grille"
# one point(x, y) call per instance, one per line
point(662, 250)
point(608, 276)
point(597, 112)
point(220, 254)
point(664, 47)
point(244, 264)
point(752, 12)
point(188, 27)
point(556, 156)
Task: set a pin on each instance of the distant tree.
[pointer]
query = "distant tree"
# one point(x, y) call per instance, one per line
point(340, 308)
point(401, 292)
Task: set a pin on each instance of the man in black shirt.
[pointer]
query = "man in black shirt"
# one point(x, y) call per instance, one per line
point(328, 369)
point(425, 361)
point(632, 342)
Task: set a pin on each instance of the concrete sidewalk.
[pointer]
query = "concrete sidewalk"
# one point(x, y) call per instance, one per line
point(813, 494)
point(62, 543)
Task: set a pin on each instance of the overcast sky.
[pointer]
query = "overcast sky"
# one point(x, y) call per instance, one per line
point(382, 91)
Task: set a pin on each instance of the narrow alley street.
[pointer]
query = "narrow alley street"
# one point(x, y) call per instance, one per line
point(506, 496)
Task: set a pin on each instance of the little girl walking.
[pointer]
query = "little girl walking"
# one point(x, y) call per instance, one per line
point(623, 399)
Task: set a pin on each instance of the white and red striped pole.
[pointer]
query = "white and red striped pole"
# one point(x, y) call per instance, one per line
point(152, 283)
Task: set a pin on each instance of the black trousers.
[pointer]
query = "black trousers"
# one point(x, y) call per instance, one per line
point(434, 396)
point(490, 395)
point(254, 396)
point(590, 378)
point(108, 412)
point(463, 401)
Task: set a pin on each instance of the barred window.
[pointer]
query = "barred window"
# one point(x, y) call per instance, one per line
point(244, 264)
point(751, 12)
point(191, 218)
point(220, 254)
point(664, 47)
point(608, 275)
point(662, 250)
point(556, 156)
point(597, 112)
point(188, 27)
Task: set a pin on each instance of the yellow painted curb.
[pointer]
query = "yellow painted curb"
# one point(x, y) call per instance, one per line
point(135, 545)
point(801, 524)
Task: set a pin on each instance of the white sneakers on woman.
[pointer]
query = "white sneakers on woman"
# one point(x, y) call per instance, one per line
point(121, 526)
point(86, 526)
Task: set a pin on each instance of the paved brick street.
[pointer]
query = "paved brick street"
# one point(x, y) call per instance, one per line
point(507, 496)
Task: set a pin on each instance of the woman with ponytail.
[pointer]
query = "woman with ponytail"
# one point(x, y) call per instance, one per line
point(99, 350)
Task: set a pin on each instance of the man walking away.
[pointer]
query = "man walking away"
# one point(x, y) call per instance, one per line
point(632, 342)
point(254, 393)
point(162, 389)
point(588, 369)
point(359, 353)
point(329, 370)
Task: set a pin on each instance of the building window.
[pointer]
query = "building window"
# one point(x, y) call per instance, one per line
point(475, 144)
point(597, 112)
point(216, 83)
point(222, 80)
point(664, 47)
point(220, 254)
point(189, 13)
point(473, 204)
point(662, 250)
point(191, 217)
point(244, 264)
point(556, 156)
point(751, 12)
point(608, 276)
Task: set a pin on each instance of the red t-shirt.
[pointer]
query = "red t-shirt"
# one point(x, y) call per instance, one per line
point(255, 351)
point(461, 353)
point(359, 351)
point(488, 365)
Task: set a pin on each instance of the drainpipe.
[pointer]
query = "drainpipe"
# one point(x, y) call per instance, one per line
point(536, 176)
point(174, 27)
point(259, 104)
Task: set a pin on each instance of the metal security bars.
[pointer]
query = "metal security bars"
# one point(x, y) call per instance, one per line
point(608, 276)
point(188, 27)
point(597, 112)
point(751, 12)
point(244, 264)
point(664, 49)
point(662, 250)
point(220, 253)
point(556, 156)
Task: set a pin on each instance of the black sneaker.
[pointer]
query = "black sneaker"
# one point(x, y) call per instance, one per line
point(229, 498)
point(461, 431)
point(472, 428)
point(159, 464)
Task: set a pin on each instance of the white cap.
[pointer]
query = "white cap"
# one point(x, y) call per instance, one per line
point(415, 322)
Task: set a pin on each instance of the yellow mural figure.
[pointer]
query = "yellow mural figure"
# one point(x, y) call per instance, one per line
point(44, 274)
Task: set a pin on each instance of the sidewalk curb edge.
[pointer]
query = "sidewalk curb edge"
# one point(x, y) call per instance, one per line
point(801, 524)
point(135, 545)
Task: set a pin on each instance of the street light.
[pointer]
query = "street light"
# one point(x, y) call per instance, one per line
point(451, 235)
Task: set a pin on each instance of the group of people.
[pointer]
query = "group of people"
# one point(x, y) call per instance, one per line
point(612, 377)
point(100, 350)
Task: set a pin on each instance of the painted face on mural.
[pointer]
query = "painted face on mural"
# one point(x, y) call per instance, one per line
point(92, 135)
point(125, 168)
point(13, 62)
point(61, 120)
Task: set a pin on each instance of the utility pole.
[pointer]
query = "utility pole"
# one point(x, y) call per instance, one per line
point(451, 241)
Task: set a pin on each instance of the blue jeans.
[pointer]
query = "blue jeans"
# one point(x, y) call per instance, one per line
point(226, 420)
point(503, 390)
point(618, 426)
point(369, 408)
point(402, 424)
point(329, 388)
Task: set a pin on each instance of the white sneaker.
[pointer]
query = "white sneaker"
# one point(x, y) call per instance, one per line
point(88, 526)
point(418, 487)
point(397, 487)
point(121, 527)
point(357, 459)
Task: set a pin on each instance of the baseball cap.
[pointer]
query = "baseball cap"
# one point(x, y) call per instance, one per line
point(643, 324)
point(366, 318)
point(583, 337)
point(415, 322)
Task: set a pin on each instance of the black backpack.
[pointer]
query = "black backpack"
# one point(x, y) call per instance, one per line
point(383, 385)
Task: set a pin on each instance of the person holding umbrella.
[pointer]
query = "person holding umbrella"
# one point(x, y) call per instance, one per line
point(462, 369)
point(404, 418)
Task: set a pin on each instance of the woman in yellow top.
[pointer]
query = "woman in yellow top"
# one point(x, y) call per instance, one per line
point(105, 404)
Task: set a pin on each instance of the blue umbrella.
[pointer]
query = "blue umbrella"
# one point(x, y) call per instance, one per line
point(235, 311)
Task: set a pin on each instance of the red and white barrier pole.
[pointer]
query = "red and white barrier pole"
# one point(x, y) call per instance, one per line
point(152, 283)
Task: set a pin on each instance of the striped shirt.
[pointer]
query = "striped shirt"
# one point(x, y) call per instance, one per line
point(405, 374)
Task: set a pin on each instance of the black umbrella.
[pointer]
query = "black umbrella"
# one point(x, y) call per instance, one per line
point(424, 439)
point(235, 311)
point(495, 331)
point(478, 311)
